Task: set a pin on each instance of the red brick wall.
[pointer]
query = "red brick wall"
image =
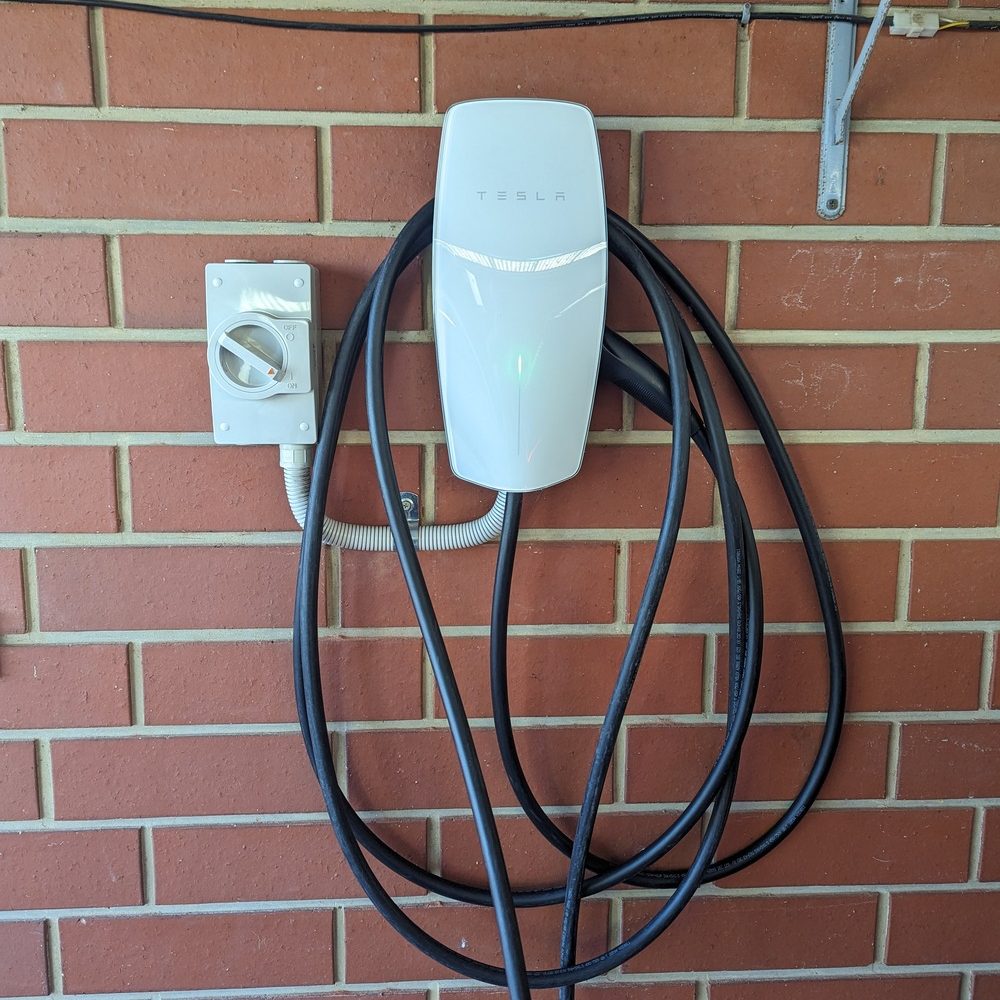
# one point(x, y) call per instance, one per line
point(160, 830)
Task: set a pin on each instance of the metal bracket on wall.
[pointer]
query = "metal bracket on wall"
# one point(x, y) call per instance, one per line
point(843, 75)
point(411, 508)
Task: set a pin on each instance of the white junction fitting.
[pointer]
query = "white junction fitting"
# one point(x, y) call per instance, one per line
point(296, 463)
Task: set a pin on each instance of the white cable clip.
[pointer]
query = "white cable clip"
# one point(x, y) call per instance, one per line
point(914, 24)
point(745, 16)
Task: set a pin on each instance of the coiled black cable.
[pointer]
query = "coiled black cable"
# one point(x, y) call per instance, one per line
point(665, 392)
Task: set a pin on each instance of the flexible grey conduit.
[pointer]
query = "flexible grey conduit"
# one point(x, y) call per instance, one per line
point(378, 537)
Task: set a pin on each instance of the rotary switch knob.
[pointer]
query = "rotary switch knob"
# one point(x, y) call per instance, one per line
point(249, 355)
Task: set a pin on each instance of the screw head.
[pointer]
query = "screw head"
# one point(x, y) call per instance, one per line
point(303, 426)
point(216, 282)
point(407, 504)
point(223, 426)
point(298, 282)
point(832, 204)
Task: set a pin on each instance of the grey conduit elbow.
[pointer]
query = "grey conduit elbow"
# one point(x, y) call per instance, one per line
point(295, 463)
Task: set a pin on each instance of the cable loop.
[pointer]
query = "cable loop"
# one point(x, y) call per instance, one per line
point(666, 393)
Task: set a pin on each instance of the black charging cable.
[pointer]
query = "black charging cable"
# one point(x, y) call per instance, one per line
point(666, 392)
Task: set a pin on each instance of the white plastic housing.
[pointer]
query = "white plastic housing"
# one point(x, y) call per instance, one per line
point(263, 350)
point(519, 286)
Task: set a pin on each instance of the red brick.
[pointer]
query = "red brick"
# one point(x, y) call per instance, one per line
point(207, 951)
point(899, 846)
point(534, 863)
point(4, 409)
point(955, 580)
point(773, 765)
point(23, 968)
point(44, 56)
point(354, 491)
point(568, 582)
point(987, 987)
point(353, 995)
point(886, 672)
point(413, 400)
point(384, 172)
point(769, 178)
point(617, 486)
point(607, 412)
point(601, 991)
point(812, 387)
point(949, 760)
point(785, 53)
point(937, 89)
point(884, 987)
point(552, 676)
point(418, 769)
point(916, 920)
point(972, 182)
point(228, 66)
point(164, 277)
point(995, 702)
point(48, 687)
point(182, 776)
point(212, 488)
point(53, 280)
point(154, 588)
point(376, 953)
point(107, 386)
point(864, 575)
point(11, 592)
point(179, 488)
point(18, 788)
point(758, 932)
point(661, 61)
point(615, 160)
point(703, 261)
point(962, 388)
point(58, 489)
point(901, 80)
point(147, 170)
point(877, 485)
point(869, 286)
point(62, 868)
point(381, 172)
point(210, 864)
point(217, 683)
point(991, 847)
point(646, 991)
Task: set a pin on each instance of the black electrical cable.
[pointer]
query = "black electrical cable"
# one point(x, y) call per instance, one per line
point(702, 424)
point(601, 21)
point(458, 721)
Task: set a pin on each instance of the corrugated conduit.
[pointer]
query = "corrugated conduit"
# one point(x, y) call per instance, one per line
point(295, 462)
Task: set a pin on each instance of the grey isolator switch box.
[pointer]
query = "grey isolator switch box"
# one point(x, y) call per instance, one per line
point(263, 351)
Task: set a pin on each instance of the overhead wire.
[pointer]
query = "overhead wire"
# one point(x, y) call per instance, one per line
point(743, 17)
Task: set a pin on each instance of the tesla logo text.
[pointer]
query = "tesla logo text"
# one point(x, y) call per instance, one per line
point(521, 195)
